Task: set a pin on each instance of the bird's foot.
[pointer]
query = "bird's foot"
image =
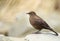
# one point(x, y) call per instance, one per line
point(37, 32)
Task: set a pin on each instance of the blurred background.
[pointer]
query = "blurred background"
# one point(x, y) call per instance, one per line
point(15, 22)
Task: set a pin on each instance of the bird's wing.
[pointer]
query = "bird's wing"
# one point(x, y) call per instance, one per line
point(42, 23)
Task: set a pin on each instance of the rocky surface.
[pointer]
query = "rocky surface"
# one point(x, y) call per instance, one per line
point(32, 37)
point(4, 38)
point(42, 37)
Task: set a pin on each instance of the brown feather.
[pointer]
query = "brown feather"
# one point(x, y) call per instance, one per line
point(38, 23)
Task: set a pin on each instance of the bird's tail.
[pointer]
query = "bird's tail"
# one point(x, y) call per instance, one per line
point(54, 31)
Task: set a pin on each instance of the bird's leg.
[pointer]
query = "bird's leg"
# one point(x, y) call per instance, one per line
point(37, 32)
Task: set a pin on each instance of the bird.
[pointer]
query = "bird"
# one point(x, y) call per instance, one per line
point(38, 23)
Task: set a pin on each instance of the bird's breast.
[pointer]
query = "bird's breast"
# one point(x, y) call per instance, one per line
point(34, 24)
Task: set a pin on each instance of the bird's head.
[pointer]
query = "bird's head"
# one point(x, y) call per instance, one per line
point(32, 13)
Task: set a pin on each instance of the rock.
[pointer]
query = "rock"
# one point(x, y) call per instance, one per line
point(4, 38)
point(16, 39)
point(42, 37)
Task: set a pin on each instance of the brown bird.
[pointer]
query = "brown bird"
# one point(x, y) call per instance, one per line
point(38, 23)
